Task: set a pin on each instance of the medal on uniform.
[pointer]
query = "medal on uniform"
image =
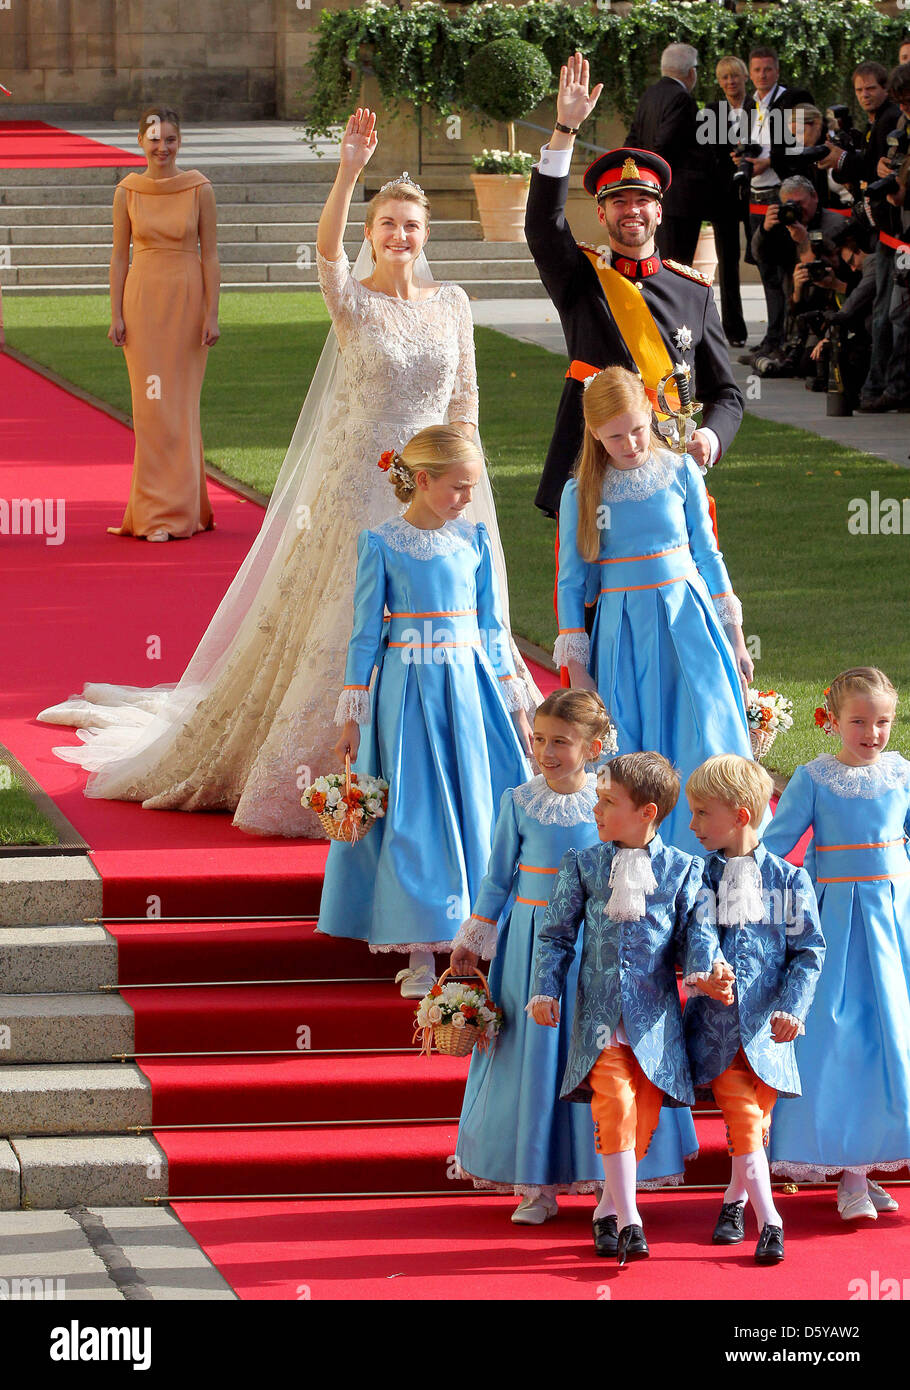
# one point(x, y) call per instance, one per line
point(682, 339)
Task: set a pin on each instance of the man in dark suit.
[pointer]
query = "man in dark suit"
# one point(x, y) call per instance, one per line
point(666, 122)
point(674, 304)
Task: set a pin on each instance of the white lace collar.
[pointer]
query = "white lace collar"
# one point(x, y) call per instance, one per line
point(400, 535)
point(635, 484)
point(540, 802)
point(889, 772)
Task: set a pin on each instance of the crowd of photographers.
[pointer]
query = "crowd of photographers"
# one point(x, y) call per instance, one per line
point(823, 206)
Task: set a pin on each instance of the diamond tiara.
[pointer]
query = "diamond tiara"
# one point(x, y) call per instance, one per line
point(404, 177)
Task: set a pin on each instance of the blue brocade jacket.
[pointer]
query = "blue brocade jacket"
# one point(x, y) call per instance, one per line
point(627, 969)
point(777, 964)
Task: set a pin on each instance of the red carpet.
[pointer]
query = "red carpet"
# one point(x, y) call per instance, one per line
point(466, 1248)
point(37, 145)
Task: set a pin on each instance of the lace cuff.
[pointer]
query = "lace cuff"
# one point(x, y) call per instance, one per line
point(728, 609)
point(788, 1018)
point(572, 646)
point(515, 693)
point(690, 982)
point(477, 934)
point(353, 703)
point(539, 999)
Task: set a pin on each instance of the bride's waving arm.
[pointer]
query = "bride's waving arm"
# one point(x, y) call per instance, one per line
point(357, 146)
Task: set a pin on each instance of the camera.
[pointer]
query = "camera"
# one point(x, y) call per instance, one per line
point(818, 270)
point(898, 143)
point(743, 175)
point(841, 131)
point(790, 215)
point(878, 191)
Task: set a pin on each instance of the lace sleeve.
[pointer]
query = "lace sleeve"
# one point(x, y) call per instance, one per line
point(338, 289)
point(463, 403)
point(572, 646)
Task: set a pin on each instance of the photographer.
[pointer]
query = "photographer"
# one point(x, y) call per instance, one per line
point(848, 330)
point(886, 387)
point(855, 166)
point(780, 240)
point(807, 126)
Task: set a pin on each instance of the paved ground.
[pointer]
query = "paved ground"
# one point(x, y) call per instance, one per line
point(116, 1254)
point(265, 142)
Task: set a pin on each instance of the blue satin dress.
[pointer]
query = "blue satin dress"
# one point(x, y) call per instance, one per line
point(438, 730)
point(515, 1134)
point(854, 1060)
point(658, 652)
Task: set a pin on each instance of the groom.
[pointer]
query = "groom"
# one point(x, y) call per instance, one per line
point(620, 304)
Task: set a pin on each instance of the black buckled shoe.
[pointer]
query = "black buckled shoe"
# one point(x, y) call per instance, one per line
point(770, 1247)
point(606, 1236)
point(731, 1224)
point(631, 1245)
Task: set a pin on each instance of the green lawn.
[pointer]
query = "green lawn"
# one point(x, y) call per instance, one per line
point(21, 823)
point(816, 598)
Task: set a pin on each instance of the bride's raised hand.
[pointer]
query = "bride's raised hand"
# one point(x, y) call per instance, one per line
point(359, 140)
point(574, 102)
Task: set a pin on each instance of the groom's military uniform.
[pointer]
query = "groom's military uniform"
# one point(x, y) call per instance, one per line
point(644, 315)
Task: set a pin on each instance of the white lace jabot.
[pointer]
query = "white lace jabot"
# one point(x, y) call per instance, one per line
point(400, 535)
point(635, 484)
point(547, 807)
point(890, 771)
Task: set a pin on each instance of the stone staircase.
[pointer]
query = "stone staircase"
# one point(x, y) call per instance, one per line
point(65, 1104)
point(55, 233)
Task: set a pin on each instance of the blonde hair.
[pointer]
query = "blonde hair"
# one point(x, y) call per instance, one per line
point(401, 193)
point(730, 63)
point(583, 708)
point(858, 680)
point(614, 391)
point(165, 115)
point(646, 777)
point(735, 781)
point(433, 450)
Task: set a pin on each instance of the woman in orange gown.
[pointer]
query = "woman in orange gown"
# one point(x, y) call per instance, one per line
point(164, 314)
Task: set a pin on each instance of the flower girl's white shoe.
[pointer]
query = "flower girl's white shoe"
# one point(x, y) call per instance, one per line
point(880, 1199)
point(415, 983)
point(853, 1206)
point(534, 1211)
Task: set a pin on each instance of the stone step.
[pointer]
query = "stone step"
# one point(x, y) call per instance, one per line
point(85, 253)
point(10, 1199)
point(227, 190)
point(73, 1098)
point(308, 171)
point(64, 234)
point(263, 273)
point(99, 1171)
point(64, 1027)
point(48, 888)
point(62, 959)
point(476, 289)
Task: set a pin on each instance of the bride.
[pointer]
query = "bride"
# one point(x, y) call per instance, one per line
point(251, 721)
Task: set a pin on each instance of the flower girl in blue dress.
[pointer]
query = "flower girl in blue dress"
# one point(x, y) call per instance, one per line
point(666, 652)
point(854, 1114)
point(447, 726)
point(515, 1134)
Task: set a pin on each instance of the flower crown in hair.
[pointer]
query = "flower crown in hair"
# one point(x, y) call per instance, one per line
point(403, 177)
point(392, 463)
point(823, 715)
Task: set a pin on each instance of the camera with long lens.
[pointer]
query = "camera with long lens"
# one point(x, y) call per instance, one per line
point(743, 175)
point(898, 147)
point(841, 131)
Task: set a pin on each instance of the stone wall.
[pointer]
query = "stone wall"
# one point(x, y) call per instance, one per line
point(102, 60)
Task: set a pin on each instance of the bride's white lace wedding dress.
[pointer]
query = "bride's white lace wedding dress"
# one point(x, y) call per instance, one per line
point(258, 725)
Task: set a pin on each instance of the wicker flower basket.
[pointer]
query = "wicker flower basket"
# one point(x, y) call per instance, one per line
point(347, 829)
point(761, 741)
point(449, 1040)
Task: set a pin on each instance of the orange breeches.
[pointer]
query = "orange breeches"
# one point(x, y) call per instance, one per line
point(746, 1103)
point(625, 1104)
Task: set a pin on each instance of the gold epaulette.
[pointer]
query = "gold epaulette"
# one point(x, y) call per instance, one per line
point(688, 270)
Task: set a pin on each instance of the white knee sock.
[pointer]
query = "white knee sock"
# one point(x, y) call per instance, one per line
point(606, 1206)
point(620, 1171)
point(736, 1191)
point(421, 960)
point(757, 1177)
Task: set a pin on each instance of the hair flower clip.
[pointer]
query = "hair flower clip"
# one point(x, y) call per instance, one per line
point(588, 379)
point(823, 715)
point(386, 459)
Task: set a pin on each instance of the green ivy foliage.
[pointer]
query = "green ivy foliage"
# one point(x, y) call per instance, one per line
point(420, 54)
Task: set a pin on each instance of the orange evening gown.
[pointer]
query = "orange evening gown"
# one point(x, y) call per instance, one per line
point(163, 312)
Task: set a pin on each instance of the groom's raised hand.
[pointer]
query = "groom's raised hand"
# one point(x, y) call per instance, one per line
point(574, 101)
